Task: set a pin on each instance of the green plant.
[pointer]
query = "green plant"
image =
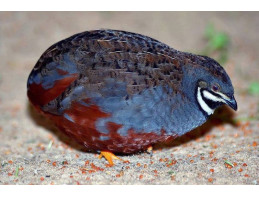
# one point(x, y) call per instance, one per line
point(217, 44)
point(253, 88)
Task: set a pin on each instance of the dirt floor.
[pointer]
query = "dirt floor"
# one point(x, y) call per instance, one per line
point(32, 151)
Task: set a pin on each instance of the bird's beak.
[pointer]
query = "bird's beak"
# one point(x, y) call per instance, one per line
point(231, 102)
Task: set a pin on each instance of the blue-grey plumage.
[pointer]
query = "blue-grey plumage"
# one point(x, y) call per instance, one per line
point(135, 83)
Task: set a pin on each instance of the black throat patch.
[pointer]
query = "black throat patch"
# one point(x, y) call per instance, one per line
point(212, 104)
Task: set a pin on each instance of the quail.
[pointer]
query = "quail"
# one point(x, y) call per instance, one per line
point(121, 92)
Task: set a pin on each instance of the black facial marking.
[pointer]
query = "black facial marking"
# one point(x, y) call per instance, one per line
point(198, 104)
point(210, 103)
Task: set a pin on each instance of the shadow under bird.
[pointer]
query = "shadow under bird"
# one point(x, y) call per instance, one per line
point(121, 92)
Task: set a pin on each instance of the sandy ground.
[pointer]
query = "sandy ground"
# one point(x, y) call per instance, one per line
point(32, 151)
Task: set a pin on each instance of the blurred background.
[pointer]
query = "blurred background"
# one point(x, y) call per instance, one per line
point(229, 37)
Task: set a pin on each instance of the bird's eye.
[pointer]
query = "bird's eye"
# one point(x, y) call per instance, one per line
point(215, 87)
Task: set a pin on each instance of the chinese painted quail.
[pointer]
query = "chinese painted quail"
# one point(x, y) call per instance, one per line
point(121, 92)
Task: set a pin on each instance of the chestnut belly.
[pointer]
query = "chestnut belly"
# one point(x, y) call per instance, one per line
point(79, 123)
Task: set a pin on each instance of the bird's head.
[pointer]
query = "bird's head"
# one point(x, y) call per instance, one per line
point(212, 86)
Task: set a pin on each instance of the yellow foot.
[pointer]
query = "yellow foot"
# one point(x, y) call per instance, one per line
point(109, 156)
point(150, 150)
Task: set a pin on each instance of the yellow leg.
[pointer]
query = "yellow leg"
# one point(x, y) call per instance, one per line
point(150, 150)
point(109, 156)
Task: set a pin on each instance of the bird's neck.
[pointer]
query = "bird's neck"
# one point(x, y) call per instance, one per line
point(185, 116)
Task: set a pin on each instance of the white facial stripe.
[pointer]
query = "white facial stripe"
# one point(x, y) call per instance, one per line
point(202, 103)
point(212, 97)
point(222, 95)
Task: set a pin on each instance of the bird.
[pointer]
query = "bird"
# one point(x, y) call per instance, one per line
point(119, 92)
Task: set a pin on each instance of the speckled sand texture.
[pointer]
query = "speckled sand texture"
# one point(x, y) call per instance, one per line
point(32, 151)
